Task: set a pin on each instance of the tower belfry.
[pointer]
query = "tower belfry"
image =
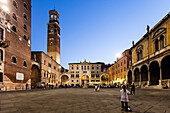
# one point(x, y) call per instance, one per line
point(53, 40)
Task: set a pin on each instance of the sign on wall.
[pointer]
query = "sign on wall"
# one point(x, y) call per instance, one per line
point(19, 76)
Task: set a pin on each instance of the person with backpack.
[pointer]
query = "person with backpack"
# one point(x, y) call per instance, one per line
point(124, 98)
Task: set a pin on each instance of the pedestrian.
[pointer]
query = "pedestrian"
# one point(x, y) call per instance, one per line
point(133, 89)
point(124, 98)
point(95, 88)
point(98, 88)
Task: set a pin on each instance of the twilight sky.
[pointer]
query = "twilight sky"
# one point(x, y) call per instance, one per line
point(95, 30)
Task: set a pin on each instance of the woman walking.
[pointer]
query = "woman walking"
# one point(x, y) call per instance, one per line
point(124, 98)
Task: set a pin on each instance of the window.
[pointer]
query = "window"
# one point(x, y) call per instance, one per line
point(72, 76)
point(14, 60)
point(92, 67)
point(25, 5)
point(156, 45)
point(25, 38)
point(92, 80)
point(84, 67)
point(121, 63)
point(97, 72)
point(1, 77)
point(162, 42)
point(72, 68)
point(47, 75)
point(54, 67)
point(49, 65)
point(92, 71)
point(81, 67)
point(1, 33)
point(97, 76)
point(92, 76)
point(25, 27)
point(72, 80)
point(14, 28)
point(84, 71)
point(44, 74)
point(1, 55)
point(77, 80)
point(88, 67)
point(15, 4)
point(72, 71)
point(25, 64)
point(44, 62)
point(97, 80)
point(124, 68)
point(14, 16)
point(139, 52)
point(97, 67)
point(77, 68)
point(77, 71)
point(124, 61)
point(25, 16)
point(116, 72)
point(77, 76)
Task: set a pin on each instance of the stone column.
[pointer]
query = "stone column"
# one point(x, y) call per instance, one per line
point(148, 77)
point(140, 78)
point(160, 80)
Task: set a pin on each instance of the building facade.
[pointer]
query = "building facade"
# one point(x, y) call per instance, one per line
point(46, 71)
point(53, 39)
point(151, 56)
point(15, 17)
point(95, 73)
point(118, 71)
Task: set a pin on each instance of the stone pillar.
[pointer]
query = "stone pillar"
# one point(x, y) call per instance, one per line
point(140, 78)
point(160, 81)
point(148, 78)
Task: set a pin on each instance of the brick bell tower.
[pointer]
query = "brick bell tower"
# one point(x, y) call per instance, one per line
point(53, 40)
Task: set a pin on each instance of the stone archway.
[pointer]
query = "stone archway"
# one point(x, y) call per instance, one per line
point(64, 80)
point(144, 73)
point(105, 79)
point(35, 76)
point(130, 77)
point(83, 79)
point(154, 73)
point(165, 65)
point(137, 75)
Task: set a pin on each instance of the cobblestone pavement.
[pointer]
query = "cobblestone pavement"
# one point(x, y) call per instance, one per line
point(77, 100)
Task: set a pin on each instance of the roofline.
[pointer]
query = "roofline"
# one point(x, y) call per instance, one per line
point(157, 25)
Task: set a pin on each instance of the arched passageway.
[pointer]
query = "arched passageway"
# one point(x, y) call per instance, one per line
point(144, 73)
point(154, 73)
point(130, 77)
point(137, 75)
point(165, 65)
point(105, 79)
point(35, 76)
point(83, 79)
point(64, 80)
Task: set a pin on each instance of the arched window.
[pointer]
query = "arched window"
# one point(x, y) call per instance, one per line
point(162, 42)
point(156, 45)
point(139, 52)
point(1, 55)
point(14, 28)
point(25, 27)
point(25, 16)
point(25, 64)
point(25, 37)
point(14, 60)
point(15, 4)
point(25, 5)
point(14, 16)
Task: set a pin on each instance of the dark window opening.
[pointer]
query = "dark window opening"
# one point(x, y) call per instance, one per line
point(1, 33)
point(25, 64)
point(14, 16)
point(14, 28)
point(14, 60)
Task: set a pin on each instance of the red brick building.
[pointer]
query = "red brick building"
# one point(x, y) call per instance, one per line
point(17, 56)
